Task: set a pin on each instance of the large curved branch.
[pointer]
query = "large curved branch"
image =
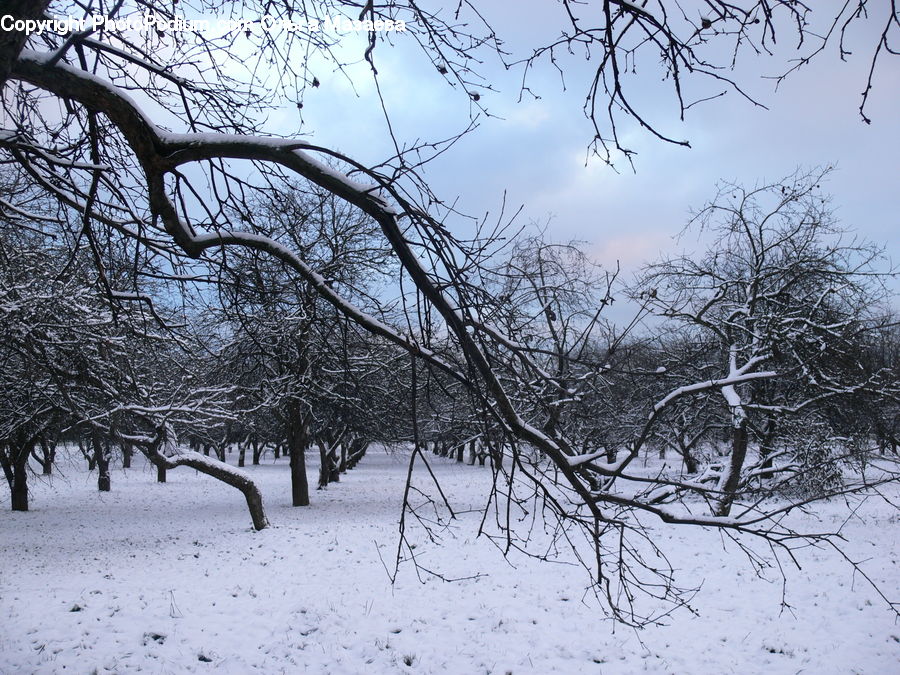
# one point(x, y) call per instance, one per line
point(159, 152)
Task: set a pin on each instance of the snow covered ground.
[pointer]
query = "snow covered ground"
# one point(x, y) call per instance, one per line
point(170, 578)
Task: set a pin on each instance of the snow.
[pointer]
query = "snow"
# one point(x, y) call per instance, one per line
point(603, 467)
point(164, 578)
point(728, 381)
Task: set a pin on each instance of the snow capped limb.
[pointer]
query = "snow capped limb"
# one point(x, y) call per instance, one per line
point(728, 381)
point(606, 468)
point(292, 154)
point(138, 297)
point(223, 472)
point(637, 10)
point(734, 403)
point(738, 414)
point(31, 62)
point(669, 515)
point(160, 151)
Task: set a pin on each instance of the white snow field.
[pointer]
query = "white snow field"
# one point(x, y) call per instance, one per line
point(171, 578)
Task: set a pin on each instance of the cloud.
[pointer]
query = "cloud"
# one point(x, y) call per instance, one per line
point(631, 250)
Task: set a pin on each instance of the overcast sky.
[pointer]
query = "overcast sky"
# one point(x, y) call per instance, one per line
point(537, 151)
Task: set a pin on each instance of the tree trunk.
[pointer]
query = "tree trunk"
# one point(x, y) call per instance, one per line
point(472, 445)
point(323, 465)
point(357, 451)
point(242, 452)
point(227, 475)
point(89, 456)
point(342, 462)
point(14, 459)
point(497, 455)
point(47, 456)
point(19, 487)
point(101, 459)
point(334, 473)
point(690, 462)
point(297, 442)
point(158, 461)
point(736, 463)
point(104, 480)
point(127, 454)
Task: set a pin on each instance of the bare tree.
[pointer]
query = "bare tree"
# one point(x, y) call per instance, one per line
point(296, 356)
point(791, 302)
point(77, 362)
point(185, 197)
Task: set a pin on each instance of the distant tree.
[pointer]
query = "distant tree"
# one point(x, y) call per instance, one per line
point(791, 302)
point(83, 362)
point(292, 353)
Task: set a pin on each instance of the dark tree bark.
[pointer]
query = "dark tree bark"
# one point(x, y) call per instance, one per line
point(356, 452)
point(48, 455)
point(127, 454)
point(89, 455)
point(298, 439)
point(6, 462)
point(101, 459)
point(224, 473)
point(19, 487)
point(157, 460)
point(14, 458)
point(691, 465)
point(342, 462)
point(329, 459)
point(736, 463)
point(496, 454)
point(11, 41)
point(334, 472)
